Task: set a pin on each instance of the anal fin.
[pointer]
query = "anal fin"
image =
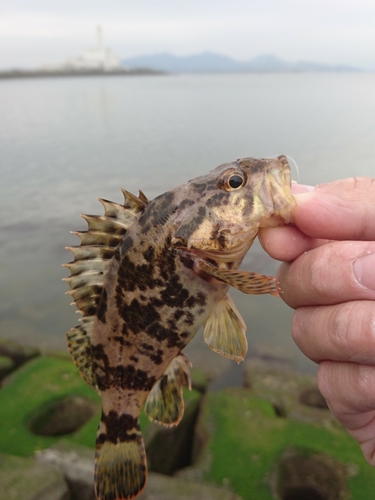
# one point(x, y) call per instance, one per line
point(224, 331)
point(165, 403)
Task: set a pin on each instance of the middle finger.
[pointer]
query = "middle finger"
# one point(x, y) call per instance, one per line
point(341, 332)
point(326, 275)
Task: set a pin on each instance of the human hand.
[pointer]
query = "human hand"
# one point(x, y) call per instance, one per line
point(329, 278)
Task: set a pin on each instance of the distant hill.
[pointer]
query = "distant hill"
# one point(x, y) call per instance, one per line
point(211, 62)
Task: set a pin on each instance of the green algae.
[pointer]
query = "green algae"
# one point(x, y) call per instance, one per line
point(41, 384)
point(36, 384)
point(244, 441)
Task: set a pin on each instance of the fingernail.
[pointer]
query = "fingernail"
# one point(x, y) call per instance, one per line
point(364, 271)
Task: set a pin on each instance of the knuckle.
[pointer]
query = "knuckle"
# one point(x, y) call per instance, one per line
point(352, 330)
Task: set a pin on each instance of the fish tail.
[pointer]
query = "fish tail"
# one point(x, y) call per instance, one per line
point(120, 462)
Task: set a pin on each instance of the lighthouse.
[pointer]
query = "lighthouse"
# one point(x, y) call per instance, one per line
point(98, 58)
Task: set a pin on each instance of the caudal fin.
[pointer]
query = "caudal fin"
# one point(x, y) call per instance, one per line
point(120, 467)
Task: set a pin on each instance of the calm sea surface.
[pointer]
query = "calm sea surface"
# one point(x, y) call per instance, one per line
point(67, 141)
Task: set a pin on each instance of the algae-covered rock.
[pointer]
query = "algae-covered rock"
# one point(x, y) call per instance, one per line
point(305, 475)
point(242, 443)
point(26, 479)
point(76, 463)
point(62, 416)
point(38, 385)
point(293, 395)
point(7, 365)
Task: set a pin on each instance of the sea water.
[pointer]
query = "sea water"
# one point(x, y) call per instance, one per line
point(64, 142)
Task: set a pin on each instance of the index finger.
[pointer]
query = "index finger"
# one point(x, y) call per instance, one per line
point(340, 210)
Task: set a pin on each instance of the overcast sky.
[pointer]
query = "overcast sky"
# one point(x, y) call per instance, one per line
point(34, 32)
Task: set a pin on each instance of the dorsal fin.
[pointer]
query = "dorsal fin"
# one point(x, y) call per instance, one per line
point(143, 197)
point(88, 269)
point(133, 203)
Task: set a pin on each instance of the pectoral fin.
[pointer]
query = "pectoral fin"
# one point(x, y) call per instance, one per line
point(224, 331)
point(165, 403)
point(244, 281)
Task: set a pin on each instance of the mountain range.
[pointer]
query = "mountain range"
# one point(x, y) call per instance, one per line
point(212, 62)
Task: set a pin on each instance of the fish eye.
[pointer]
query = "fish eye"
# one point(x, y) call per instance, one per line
point(236, 181)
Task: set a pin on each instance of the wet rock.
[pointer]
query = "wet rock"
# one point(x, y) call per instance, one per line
point(276, 355)
point(160, 487)
point(292, 395)
point(26, 479)
point(205, 360)
point(310, 476)
point(76, 463)
point(61, 417)
point(17, 352)
point(169, 449)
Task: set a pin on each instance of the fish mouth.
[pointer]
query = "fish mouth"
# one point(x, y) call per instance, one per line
point(276, 195)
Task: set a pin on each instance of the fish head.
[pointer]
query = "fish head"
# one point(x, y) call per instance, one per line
point(231, 202)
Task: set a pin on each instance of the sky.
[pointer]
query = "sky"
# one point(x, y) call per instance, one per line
point(37, 32)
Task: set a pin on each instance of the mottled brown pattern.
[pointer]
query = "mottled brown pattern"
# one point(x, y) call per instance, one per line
point(155, 294)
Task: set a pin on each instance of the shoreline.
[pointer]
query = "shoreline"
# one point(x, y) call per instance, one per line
point(21, 73)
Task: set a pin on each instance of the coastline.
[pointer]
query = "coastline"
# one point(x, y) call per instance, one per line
point(46, 73)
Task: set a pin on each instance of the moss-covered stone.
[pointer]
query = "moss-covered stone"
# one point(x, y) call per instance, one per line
point(62, 416)
point(241, 442)
point(35, 385)
point(292, 395)
point(36, 410)
point(7, 365)
point(305, 474)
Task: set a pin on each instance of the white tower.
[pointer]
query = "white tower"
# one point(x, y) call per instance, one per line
point(99, 35)
point(98, 58)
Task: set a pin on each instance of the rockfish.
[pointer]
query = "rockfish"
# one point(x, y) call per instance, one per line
point(146, 276)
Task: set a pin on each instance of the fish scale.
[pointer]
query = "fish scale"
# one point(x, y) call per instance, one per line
point(146, 276)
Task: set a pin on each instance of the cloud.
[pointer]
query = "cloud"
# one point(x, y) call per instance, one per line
point(328, 31)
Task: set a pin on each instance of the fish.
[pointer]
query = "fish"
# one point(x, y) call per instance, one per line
point(145, 277)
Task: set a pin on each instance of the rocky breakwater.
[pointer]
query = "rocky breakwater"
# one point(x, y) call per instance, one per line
point(272, 439)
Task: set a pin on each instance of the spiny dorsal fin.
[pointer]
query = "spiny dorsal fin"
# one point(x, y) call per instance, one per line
point(224, 331)
point(143, 197)
point(88, 270)
point(165, 403)
point(133, 203)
